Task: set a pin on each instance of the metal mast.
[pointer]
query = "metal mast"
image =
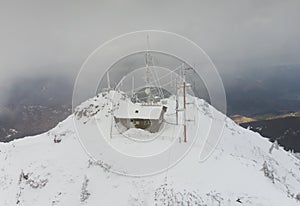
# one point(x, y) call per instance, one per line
point(132, 86)
point(176, 101)
point(185, 86)
point(108, 80)
point(184, 103)
point(147, 77)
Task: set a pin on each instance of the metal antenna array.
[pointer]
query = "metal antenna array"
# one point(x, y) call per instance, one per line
point(183, 85)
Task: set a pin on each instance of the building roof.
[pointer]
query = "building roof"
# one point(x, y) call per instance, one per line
point(129, 110)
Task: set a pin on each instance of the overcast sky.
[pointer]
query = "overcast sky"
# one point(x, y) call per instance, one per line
point(42, 37)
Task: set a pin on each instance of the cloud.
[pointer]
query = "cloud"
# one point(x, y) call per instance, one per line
point(54, 37)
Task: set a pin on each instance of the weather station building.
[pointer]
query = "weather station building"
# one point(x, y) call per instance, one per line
point(146, 117)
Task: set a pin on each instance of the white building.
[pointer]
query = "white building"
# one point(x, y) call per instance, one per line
point(134, 115)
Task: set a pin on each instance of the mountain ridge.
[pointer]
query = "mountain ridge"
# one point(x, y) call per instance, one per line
point(243, 169)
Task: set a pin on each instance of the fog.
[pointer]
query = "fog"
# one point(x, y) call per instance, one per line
point(43, 38)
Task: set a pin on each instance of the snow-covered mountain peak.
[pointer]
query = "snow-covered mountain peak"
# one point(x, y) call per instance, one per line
point(55, 169)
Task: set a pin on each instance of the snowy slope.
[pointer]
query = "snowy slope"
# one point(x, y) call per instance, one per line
point(243, 170)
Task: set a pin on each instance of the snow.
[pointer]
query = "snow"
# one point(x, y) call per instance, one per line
point(127, 109)
point(37, 171)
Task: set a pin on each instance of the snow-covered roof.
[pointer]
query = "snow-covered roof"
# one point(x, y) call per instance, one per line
point(127, 109)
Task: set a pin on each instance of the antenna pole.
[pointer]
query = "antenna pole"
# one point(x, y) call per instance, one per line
point(108, 80)
point(176, 102)
point(111, 125)
point(147, 63)
point(148, 59)
point(184, 104)
point(111, 118)
point(132, 86)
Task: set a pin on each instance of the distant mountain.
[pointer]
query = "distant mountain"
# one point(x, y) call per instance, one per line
point(32, 120)
point(241, 119)
point(35, 106)
point(257, 91)
point(285, 130)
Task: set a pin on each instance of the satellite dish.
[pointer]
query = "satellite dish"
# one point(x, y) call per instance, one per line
point(147, 91)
